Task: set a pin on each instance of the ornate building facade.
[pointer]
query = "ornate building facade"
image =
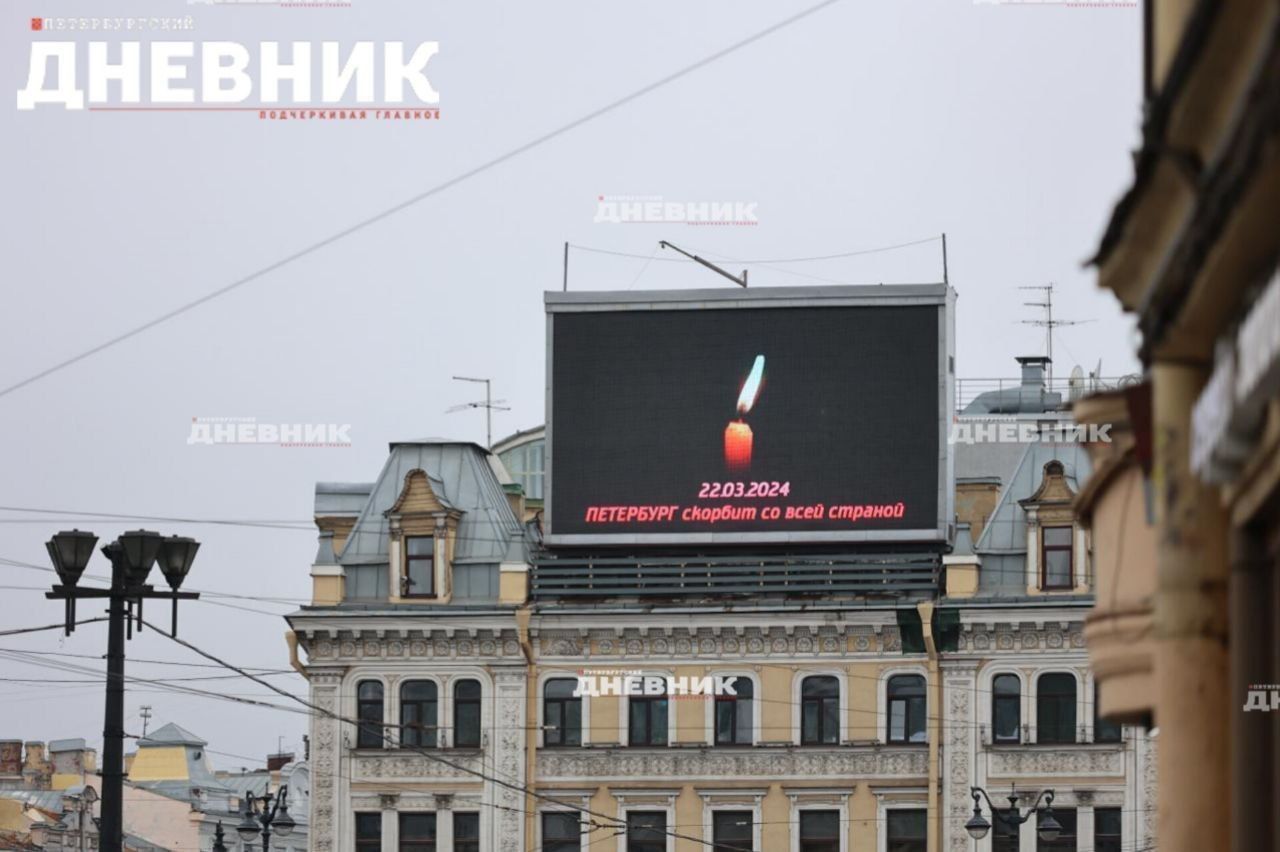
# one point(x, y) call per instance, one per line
point(478, 692)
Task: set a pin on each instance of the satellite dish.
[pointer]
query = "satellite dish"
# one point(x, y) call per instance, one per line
point(1075, 384)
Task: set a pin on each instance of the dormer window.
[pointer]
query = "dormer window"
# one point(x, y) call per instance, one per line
point(1055, 557)
point(420, 566)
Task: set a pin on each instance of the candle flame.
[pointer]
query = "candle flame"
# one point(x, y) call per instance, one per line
point(751, 387)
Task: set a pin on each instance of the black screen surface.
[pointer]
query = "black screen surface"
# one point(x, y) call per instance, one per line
point(647, 436)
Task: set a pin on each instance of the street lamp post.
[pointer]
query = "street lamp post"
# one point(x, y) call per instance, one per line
point(1046, 826)
point(260, 810)
point(132, 556)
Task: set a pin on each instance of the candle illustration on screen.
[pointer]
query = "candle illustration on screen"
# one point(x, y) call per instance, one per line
point(737, 436)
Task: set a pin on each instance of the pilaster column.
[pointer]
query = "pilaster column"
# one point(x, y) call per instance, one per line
point(508, 744)
point(444, 820)
point(327, 823)
point(959, 756)
point(1192, 696)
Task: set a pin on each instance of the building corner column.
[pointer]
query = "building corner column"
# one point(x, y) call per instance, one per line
point(1192, 701)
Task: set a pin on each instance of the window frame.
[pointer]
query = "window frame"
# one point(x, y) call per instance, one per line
point(409, 559)
point(1066, 840)
point(889, 813)
point(734, 703)
point(665, 841)
point(824, 809)
point(908, 716)
point(715, 844)
point(429, 734)
point(473, 842)
point(459, 702)
point(544, 843)
point(1046, 548)
point(1101, 724)
point(1073, 736)
point(1114, 840)
point(649, 704)
point(370, 844)
point(555, 738)
point(1015, 699)
point(821, 701)
point(432, 845)
point(365, 739)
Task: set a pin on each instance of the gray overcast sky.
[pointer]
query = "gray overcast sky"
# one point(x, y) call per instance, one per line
point(872, 122)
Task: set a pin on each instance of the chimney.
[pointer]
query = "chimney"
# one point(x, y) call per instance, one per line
point(275, 761)
point(1033, 370)
point(11, 757)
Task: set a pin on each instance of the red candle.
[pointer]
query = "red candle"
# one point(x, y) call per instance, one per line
point(737, 447)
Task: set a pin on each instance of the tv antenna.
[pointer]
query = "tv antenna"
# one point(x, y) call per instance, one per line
point(489, 404)
point(1048, 323)
point(741, 282)
point(145, 712)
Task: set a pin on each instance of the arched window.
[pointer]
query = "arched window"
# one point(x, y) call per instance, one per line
point(906, 709)
point(819, 710)
point(1006, 708)
point(419, 713)
point(733, 714)
point(466, 714)
point(561, 712)
point(1056, 708)
point(369, 714)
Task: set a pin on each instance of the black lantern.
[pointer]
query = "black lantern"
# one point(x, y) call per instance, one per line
point(1047, 827)
point(176, 555)
point(70, 552)
point(139, 549)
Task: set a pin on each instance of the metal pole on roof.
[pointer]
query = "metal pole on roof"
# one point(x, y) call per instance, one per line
point(565, 286)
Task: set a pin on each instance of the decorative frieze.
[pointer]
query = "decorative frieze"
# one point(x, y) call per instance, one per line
point(1042, 761)
point(762, 763)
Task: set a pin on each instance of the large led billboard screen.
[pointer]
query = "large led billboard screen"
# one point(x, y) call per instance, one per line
point(760, 415)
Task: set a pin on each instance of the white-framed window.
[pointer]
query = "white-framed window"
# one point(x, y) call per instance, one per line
point(731, 819)
point(820, 699)
point(647, 720)
point(1057, 707)
point(902, 704)
point(819, 820)
point(735, 720)
point(563, 719)
point(649, 818)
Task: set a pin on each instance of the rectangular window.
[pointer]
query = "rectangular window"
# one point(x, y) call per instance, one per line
point(369, 832)
point(647, 717)
point(733, 714)
point(646, 831)
point(1106, 830)
point(1104, 730)
point(819, 710)
point(561, 832)
point(420, 566)
point(466, 831)
point(906, 830)
point(1066, 841)
point(1055, 558)
point(1004, 833)
point(731, 831)
point(466, 714)
point(819, 831)
point(417, 832)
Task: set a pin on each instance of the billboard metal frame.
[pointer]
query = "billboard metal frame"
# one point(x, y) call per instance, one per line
point(939, 295)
